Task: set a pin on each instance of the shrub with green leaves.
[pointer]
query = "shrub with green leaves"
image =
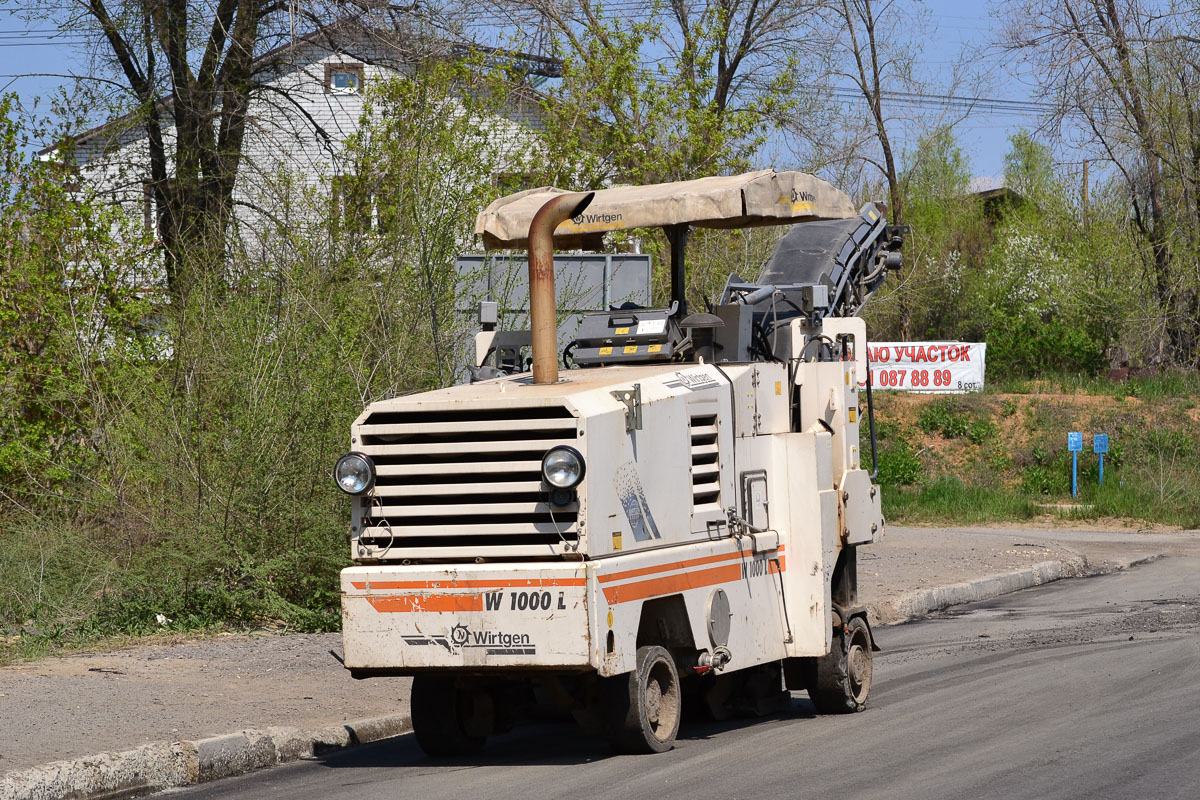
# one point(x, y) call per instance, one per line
point(944, 417)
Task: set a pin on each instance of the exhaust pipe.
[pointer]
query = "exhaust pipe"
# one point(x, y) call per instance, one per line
point(542, 315)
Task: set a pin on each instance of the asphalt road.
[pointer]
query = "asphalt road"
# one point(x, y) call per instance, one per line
point(1080, 689)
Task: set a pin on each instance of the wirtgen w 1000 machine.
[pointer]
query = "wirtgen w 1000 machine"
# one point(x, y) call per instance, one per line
point(671, 519)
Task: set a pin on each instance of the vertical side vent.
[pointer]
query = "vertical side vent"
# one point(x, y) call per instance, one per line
point(706, 467)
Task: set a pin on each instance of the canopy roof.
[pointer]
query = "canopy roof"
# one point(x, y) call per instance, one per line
point(735, 201)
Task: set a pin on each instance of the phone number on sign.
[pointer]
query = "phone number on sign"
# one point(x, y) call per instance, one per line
point(914, 378)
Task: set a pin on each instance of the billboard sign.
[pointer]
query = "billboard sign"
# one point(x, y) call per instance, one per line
point(935, 367)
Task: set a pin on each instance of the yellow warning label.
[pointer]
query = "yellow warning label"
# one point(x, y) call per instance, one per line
point(632, 348)
point(621, 331)
point(853, 414)
point(616, 547)
point(778, 387)
point(847, 378)
point(654, 348)
point(606, 351)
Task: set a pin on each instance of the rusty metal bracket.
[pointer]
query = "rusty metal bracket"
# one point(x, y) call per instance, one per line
point(632, 398)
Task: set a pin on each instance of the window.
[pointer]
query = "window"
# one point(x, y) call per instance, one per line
point(343, 78)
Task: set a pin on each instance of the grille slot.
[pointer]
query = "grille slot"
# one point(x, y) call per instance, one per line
point(706, 467)
point(465, 482)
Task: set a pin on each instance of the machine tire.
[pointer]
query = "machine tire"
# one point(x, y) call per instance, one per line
point(439, 709)
point(840, 682)
point(645, 706)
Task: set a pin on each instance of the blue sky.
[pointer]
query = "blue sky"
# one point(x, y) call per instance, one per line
point(26, 48)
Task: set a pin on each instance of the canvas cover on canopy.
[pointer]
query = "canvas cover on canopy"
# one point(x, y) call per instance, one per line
point(766, 197)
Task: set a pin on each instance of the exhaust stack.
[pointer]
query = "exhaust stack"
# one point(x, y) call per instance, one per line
point(543, 318)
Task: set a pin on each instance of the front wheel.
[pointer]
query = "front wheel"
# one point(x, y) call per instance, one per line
point(839, 682)
point(645, 706)
point(440, 714)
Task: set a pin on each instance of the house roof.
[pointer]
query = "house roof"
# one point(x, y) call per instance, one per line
point(543, 66)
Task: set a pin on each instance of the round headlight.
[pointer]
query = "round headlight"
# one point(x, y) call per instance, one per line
point(354, 473)
point(562, 467)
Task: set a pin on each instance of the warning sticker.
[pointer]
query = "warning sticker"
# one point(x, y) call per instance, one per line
point(651, 326)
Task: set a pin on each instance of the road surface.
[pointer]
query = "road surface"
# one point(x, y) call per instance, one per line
point(1080, 689)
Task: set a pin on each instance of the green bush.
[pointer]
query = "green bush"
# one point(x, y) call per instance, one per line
point(1044, 480)
point(945, 417)
point(981, 430)
point(898, 464)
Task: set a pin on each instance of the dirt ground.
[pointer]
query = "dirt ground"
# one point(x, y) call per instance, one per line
point(1027, 427)
point(58, 708)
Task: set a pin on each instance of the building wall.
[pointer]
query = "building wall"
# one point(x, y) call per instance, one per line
point(295, 135)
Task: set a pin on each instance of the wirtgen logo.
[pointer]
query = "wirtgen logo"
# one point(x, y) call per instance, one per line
point(493, 643)
point(598, 218)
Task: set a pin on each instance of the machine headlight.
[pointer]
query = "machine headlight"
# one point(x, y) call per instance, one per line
point(354, 473)
point(562, 467)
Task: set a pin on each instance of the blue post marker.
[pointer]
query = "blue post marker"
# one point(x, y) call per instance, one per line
point(1100, 447)
point(1075, 445)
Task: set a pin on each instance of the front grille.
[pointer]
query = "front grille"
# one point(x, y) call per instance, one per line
point(706, 467)
point(465, 482)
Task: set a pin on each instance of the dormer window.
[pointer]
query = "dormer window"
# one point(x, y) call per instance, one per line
point(343, 78)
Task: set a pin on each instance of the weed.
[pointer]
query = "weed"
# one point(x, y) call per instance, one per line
point(1043, 480)
point(942, 416)
point(950, 499)
point(898, 464)
point(981, 430)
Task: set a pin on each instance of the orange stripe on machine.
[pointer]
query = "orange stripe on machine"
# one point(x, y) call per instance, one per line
point(669, 584)
point(431, 603)
point(674, 565)
point(493, 583)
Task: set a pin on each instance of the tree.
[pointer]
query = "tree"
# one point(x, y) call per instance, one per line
point(186, 72)
point(875, 47)
point(421, 167)
point(1102, 64)
point(943, 246)
point(68, 296)
point(669, 91)
point(666, 92)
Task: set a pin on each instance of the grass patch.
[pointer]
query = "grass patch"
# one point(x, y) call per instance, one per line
point(982, 458)
point(1164, 385)
point(948, 499)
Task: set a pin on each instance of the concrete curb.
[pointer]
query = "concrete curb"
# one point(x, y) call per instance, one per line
point(921, 602)
point(912, 605)
point(163, 765)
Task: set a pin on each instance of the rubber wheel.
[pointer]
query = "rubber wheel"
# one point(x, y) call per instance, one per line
point(840, 681)
point(645, 706)
point(439, 710)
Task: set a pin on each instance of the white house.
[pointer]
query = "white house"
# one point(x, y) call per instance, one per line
point(308, 99)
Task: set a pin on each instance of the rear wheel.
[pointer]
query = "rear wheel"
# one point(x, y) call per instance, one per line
point(645, 706)
point(839, 682)
point(440, 714)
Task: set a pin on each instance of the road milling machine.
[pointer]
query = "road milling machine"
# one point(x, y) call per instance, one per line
point(666, 518)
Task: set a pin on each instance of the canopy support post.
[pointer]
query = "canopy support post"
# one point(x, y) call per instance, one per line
point(677, 235)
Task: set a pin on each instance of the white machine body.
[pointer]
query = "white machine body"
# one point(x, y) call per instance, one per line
point(714, 506)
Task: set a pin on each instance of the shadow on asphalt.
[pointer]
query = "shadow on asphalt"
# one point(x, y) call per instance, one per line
point(537, 744)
